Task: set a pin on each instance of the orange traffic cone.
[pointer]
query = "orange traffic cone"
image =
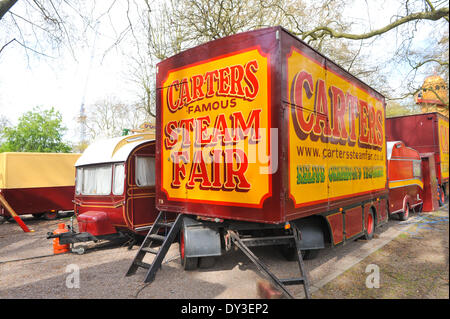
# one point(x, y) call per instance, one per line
point(57, 247)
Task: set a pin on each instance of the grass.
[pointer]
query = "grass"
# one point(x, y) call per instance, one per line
point(415, 265)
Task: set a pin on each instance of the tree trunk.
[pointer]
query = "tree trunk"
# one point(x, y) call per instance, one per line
point(5, 5)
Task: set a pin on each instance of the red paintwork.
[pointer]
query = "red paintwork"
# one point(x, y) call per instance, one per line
point(353, 222)
point(96, 223)
point(430, 202)
point(336, 222)
point(400, 169)
point(38, 200)
point(277, 207)
point(103, 215)
point(419, 132)
point(400, 197)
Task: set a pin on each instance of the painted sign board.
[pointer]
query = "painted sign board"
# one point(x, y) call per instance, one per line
point(215, 116)
point(443, 146)
point(336, 134)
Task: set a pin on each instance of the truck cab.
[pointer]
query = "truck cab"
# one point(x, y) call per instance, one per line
point(405, 179)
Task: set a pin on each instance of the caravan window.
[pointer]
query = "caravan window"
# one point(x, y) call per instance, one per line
point(145, 171)
point(119, 179)
point(78, 180)
point(95, 179)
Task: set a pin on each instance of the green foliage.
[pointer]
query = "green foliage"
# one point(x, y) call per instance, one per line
point(37, 131)
point(397, 109)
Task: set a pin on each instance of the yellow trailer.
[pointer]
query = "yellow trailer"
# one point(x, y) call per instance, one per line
point(37, 183)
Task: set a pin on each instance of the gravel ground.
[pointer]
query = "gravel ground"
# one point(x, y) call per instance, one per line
point(29, 270)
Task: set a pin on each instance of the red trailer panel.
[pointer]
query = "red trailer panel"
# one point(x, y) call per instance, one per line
point(426, 133)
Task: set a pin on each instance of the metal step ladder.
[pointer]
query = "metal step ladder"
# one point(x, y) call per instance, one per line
point(153, 236)
point(243, 245)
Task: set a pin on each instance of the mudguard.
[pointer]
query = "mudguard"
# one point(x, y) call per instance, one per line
point(200, 240)
point(312, 233)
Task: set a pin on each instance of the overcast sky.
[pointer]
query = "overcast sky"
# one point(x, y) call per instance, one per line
point(66, 80)
point(60, 82)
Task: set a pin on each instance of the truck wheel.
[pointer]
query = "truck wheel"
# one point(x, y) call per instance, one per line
point(310, 254)
point(187, 263)
point(206, 262)
point(38, 215)
point(441, 197)
point(9, 219)
point(370, 226)
point(50, 215)
point(288, 252)
point(404, 215)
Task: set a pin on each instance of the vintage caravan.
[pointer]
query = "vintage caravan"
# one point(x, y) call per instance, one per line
point(115, 189)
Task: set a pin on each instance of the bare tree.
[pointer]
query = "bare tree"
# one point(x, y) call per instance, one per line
point(411, 16)
point(43, 27)
point(159, 29)
point(108, 118)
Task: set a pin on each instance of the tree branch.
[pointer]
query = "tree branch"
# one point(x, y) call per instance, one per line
point(4, 46)
point(320, 32)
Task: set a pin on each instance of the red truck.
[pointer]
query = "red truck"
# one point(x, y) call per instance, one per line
point(428, 134)
point(405, 179)
point(258, 131)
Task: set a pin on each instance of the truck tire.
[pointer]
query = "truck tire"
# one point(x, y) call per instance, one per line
point(290, 254)
point(187, 263)
point(405, 214)
point(9, 219)
point(310, 254)
point(50, 215)
point(441, 197)
point(206, 262)
point(370, 226)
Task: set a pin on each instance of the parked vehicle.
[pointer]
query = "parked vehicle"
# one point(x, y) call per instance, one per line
point(41, 184)
point(405, 180)
point(426, 133)
point(115, 189)
point(257, 131)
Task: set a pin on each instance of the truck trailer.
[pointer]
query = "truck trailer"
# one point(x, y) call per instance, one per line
point(259, 136)
point(41, 184)
point(426, 133)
